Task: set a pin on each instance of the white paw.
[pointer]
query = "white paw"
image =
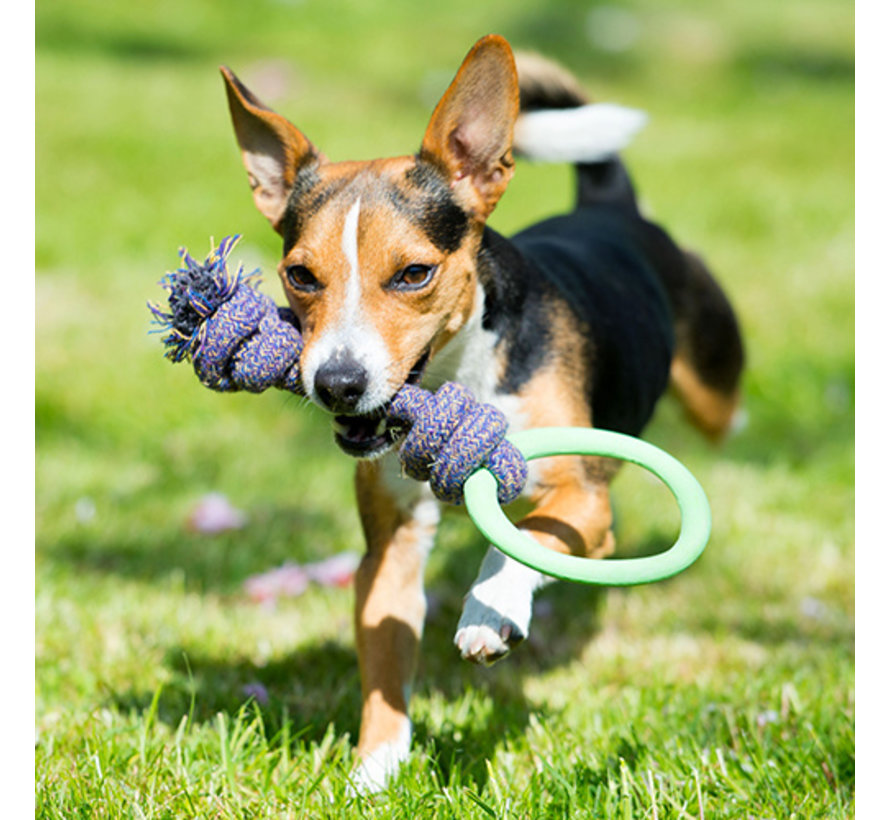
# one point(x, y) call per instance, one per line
point(484, 643)
point(379, 766)
point(498, 609)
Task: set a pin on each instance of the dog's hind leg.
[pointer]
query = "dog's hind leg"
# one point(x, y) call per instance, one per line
point(709, 357)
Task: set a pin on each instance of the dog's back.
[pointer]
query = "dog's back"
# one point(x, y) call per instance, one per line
point(651, 310)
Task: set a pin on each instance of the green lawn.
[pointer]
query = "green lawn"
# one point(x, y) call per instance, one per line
point(726, 692)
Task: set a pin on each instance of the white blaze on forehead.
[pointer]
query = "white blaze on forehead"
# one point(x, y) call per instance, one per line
point(349, 243)
point(351, 332)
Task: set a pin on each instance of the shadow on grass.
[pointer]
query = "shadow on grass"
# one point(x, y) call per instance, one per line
point(566, 619)
point(308, 689)
point(467, 745)
point(315, 688)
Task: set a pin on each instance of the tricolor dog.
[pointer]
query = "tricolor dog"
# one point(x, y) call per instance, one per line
point(583, 319)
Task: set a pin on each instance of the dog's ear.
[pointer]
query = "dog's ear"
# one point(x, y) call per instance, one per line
point(470, 134)
point(273, 150)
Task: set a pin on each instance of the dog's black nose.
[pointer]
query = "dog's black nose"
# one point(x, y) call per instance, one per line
point(340, 383)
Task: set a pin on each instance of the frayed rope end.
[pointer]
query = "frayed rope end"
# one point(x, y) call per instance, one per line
point(195, 292)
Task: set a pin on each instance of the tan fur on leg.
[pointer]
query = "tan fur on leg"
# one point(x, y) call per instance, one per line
point(708, 409)
point(389, 611)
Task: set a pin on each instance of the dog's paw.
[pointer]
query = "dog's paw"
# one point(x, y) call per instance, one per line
point(372, 775)
point(484, 635)
point(497, 610)
point(376, 768)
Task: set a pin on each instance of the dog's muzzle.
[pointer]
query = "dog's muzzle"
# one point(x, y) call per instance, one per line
point(361, 435)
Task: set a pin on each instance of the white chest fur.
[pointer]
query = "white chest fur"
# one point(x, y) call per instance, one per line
point(471, 359)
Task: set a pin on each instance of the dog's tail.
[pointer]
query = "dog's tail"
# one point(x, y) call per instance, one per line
point(557, 123)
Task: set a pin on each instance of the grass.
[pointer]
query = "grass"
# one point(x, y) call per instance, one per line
point(726, 692)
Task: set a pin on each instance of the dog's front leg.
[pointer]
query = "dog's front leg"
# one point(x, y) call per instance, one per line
point(399, 519)
point(572, 515)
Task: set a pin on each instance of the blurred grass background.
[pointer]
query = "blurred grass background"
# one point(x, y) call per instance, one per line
point(746, 661)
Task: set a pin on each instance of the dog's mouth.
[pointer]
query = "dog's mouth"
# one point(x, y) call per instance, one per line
point(372, 434)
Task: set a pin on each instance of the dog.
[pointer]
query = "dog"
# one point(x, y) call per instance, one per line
point(584, 319)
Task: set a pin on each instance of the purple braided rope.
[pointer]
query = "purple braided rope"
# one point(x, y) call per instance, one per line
point(239, 339)
point(452, 435)
point(236, 337)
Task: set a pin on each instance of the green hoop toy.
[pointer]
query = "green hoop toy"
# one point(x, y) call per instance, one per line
point(480, 496)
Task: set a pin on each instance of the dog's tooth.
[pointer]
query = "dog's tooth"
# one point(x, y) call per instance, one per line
point(381, 427)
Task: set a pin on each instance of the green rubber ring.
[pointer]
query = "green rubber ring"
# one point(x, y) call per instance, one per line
point(480, 495)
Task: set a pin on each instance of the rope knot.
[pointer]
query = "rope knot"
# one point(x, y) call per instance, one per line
point(452, 435)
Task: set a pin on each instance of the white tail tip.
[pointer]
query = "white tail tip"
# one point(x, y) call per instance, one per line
point(589, 133)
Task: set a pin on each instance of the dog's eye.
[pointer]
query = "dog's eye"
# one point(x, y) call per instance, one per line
point(412, 277)
point(301, 278)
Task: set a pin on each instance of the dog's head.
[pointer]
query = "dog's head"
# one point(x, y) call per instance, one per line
point(379, 261)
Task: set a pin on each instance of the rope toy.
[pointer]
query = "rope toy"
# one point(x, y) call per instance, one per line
point(238, 339)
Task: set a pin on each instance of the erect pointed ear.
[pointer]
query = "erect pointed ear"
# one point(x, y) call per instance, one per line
point(471, 131)
point(272, 149)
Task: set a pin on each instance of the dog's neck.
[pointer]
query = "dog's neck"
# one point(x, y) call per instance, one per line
point(470, 357)
point(484, 354)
